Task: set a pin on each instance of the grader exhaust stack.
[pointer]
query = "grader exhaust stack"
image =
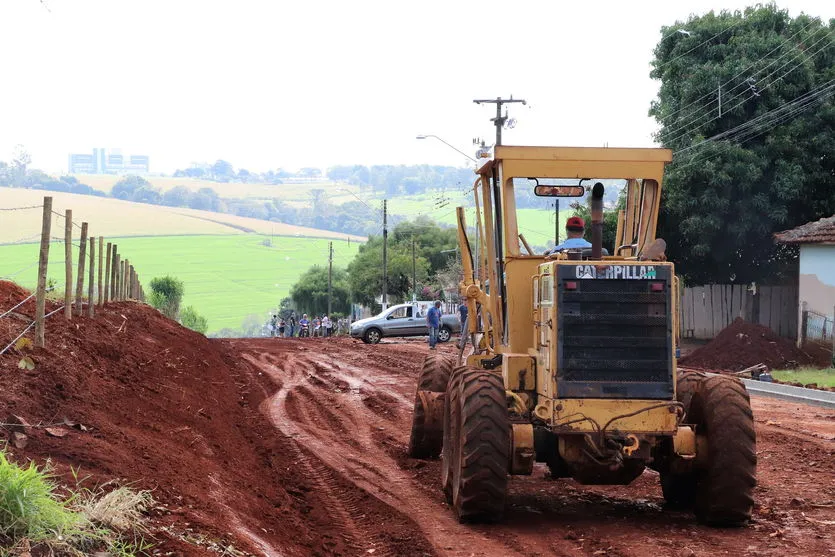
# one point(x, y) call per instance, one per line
point(574, 357)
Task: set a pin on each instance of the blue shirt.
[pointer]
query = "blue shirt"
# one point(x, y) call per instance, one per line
point(433, 317)
point(463, 310)
point(572, 243)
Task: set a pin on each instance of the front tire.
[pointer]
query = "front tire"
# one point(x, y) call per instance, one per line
point(444, 334)
point(721, 492)
point(479, 471)
point(424, 441)
point(372, 336)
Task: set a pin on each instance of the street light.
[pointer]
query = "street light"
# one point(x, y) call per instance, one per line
point(447, 144)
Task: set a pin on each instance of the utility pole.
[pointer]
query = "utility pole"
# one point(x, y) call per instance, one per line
point(330, 275)
point(499, 121)
point(414, 273)
point(385, 257)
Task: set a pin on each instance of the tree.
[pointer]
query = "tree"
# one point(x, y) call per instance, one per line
point(127, 187)
point(178, 196)
point(739, 177)
point(21, 159)
point(366, 274)
point(223, 170)
point(310, 293)
point(193, 320)
point(166, 295)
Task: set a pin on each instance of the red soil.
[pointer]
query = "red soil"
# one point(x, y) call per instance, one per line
point(298, 447)
point(741, 345)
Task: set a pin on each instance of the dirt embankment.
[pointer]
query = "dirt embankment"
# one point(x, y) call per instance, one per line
point(298, 447)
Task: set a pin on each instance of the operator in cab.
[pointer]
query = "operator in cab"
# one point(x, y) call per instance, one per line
point(574, 229)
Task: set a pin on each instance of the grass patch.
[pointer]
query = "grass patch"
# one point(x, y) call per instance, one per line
point(822, 377)
point(35, 519)
point(226, 277)
point(29, 509)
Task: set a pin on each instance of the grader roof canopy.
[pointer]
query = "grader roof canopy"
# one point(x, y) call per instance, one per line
point(580, 162)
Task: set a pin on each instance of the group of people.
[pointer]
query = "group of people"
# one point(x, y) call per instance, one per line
point(302, 327)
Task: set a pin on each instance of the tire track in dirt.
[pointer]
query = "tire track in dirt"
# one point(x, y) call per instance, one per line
point(356, 456)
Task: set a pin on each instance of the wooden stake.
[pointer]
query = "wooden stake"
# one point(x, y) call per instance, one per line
point(113, 272)
point(82, 261)
point(91, 289)
point(106, 293)
point(43, 263)
point(101, 270)
point(68, 264)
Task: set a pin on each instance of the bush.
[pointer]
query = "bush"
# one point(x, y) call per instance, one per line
point(193, 320)
point(166, 295)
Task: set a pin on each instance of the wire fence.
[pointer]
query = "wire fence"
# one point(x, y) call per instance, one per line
point(92, 277)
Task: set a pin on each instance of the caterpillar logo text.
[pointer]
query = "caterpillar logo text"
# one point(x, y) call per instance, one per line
point(636, 272)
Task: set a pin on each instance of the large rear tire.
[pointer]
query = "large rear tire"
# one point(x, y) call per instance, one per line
point(720, 491)
point(452, 424)
point(425, 441)
point(725, 495)
point(479, 472)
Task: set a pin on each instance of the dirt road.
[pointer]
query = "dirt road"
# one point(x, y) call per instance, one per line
point(346, 408)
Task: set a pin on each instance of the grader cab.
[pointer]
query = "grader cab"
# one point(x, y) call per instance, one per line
point(574, 353)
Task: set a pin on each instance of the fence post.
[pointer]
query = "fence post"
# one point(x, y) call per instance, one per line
point(106, 293)
point(804, 322)
point(101, 270)
point(68, 264)
point(82, 261)
point(91, 300)
point(123, 273)
point(43, 263)
point(131, 283)
point(832, 361)
point(113, 270)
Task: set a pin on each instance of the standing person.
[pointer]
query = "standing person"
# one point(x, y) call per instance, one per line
point(273, 324)
point(463, 310)
point(281, 325)
point(326, 325)
point(292, 324)
point(433, 321)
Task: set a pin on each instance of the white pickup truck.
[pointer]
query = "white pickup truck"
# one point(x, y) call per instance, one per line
point(403, 320)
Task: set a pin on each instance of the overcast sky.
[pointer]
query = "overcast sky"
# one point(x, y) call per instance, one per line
point(268, 84)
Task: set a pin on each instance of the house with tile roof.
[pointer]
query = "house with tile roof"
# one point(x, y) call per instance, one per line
point(816, 284)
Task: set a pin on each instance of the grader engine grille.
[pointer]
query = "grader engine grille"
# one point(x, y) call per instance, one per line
point(614, 332)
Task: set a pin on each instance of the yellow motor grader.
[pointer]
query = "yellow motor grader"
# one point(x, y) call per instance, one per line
point(574, 353)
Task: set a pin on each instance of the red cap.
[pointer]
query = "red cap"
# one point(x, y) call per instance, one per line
point(575, 222)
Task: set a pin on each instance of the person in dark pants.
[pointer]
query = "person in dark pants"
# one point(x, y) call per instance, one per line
point(463, 310)
point(433, 321)
point(292, 324)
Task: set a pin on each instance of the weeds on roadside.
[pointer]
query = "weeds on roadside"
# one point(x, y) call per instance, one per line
point(32, 515)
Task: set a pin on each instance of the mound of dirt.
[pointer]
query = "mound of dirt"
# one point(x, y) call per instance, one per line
point(134, 396)
point(741, 345)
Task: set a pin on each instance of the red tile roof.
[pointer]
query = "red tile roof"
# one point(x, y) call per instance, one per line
point(815, 232)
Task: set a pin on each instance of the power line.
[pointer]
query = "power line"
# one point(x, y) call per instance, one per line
point(741, 72)
point(755, 93)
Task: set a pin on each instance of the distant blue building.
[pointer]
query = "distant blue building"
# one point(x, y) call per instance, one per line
point(113, 162)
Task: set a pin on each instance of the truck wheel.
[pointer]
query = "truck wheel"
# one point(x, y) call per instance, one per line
point(426, 437)
point(479, 471)
point(721, 490)
point(452, 422)
point(679, 490)
point(725, 493)
point(444, 334)
point(372, 336)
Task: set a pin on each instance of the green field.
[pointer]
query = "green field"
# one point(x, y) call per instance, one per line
point(823, 377)
point(226, 277)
